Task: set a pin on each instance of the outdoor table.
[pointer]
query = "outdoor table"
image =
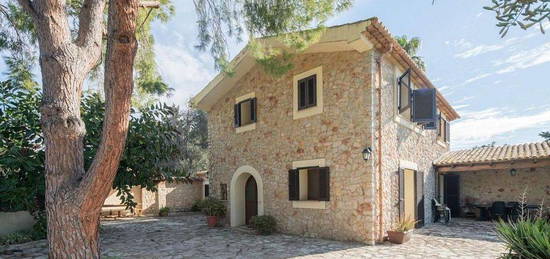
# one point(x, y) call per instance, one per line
point(483, 212)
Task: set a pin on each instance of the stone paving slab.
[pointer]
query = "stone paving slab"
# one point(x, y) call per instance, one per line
point(188, 236)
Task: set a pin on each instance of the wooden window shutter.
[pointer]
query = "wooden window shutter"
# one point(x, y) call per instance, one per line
point(419, 182)
point(424, 105)
point(302, 94)
point(253, 110)
point(237, 116)
point(312, 91)
point(447, 132)
point(324, 184)
point(293, 185)
point(401, 177)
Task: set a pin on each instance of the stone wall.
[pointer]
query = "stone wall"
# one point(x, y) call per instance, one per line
point(338, 135)
point(499, 185)
point(403, 143)
point(178, 196)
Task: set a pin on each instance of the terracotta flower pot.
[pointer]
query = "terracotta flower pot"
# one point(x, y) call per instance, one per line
point(398, 237)
point(212, 221)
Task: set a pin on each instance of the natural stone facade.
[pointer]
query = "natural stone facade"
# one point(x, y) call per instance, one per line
point(338, 135)
point(484, 187)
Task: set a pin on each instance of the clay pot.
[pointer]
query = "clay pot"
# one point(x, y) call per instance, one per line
point(212, 221)
point(398, 237)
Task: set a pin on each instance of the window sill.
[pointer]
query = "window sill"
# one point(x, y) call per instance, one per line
point(309, 204)
point(443, 144)
point(409, 125)
point(245, 128)
point(299, 114)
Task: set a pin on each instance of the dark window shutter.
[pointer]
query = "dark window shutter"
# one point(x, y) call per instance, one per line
point(440, 124)
point(206, 190)
point(447, 131)
point(253, 109)
point(419, 198)
point(293, 185)
point(324, 184)
point(237, 116)
point(302, 94)
point(312, 91)
point(424, 106)
point(401, 177)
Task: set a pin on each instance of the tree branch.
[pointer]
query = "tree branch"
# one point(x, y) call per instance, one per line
point(118, 85)
point(27, 5)
point(149, 4)
point(91, 27)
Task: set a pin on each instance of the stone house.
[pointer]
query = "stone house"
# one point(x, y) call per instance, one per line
point(335, 148)
point(178, 195)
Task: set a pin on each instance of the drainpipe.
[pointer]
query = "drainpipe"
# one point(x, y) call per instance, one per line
point(379, 149)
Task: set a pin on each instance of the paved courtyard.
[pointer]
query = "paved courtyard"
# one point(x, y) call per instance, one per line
point(188, 236)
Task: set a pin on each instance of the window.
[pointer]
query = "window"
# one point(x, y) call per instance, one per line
point(404, 93)
point(307, 92)
point(245, 112)
point(309, 184)
point(444, 130)
point(206, 190)
point(223, 191)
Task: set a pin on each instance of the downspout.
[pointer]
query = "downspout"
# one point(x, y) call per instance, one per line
point(379, 149)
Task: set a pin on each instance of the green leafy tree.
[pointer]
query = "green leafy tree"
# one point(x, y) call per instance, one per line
point(174, 141)
point(522, 13)
point(545, 135)
point(412, 46)
point(295, 23)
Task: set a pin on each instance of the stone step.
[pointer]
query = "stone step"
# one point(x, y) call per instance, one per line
point(244, 230)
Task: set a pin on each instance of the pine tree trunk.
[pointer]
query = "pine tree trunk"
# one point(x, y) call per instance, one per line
point(74, 196)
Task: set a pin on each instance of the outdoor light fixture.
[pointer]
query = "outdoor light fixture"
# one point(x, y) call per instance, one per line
point(513, 172)
point(367, 153)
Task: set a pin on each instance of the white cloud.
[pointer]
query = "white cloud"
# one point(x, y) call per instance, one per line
point(475, 78)
point(481, 49)
point(184, 71)
point(486, 125)
point(525, 59)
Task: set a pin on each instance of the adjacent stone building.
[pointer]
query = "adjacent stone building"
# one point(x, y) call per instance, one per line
point(329, 149)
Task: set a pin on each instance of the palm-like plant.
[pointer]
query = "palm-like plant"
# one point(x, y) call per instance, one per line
point(411, 47)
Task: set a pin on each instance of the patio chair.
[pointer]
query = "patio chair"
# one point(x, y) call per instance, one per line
point(498, 210)
point(441, 212)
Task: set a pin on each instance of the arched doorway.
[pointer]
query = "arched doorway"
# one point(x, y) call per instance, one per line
point(251, 199)
point(245, 195)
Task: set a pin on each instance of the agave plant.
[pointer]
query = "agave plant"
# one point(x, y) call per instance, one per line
point(405, 224)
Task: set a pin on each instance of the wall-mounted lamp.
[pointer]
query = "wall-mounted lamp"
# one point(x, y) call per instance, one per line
point(367, 153)
point(513, 172)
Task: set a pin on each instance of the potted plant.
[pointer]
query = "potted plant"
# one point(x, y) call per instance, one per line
point(403, 231)
point(213, 209)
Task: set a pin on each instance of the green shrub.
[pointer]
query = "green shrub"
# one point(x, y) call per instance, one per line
point(198, 205)
point(265, 225)
point(163, 212)
point(16, 238)
point(526, 238)
point(213, 207)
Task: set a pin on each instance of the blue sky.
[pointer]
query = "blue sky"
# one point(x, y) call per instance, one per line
point(499, 86)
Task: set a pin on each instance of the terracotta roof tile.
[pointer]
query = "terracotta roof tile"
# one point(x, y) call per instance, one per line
point(540, 150)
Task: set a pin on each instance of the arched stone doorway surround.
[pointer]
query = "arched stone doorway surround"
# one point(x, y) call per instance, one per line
point(237, 194)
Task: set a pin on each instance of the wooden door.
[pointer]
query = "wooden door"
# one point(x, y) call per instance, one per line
point(251, 199)
point(409, 194)
point(451, 194)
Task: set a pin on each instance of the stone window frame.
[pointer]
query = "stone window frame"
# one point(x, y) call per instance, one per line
point(309, 204)
point(251, 126)
point(313, 110)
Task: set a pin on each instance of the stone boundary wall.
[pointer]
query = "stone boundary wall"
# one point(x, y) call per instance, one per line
point(15, 221)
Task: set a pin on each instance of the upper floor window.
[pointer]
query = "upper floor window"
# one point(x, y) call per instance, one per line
point(404, 94)
point(444, 130)
point(245, 112)
point(307, 92)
